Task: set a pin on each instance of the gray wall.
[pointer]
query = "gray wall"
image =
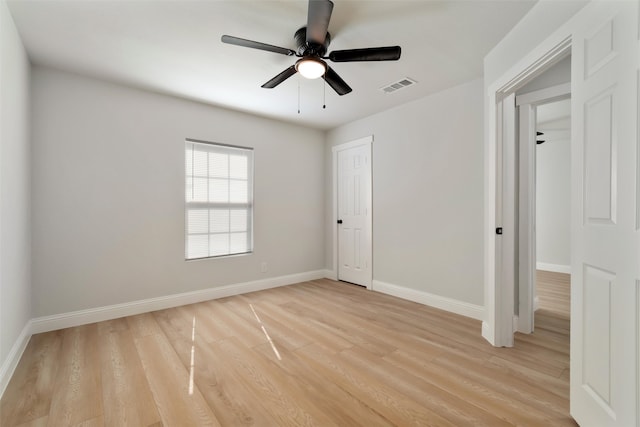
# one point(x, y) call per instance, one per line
point(427, 193)
point(543, 19)
point(15, 205)
point(108, 194)
point(553, 167)
point(553, 194)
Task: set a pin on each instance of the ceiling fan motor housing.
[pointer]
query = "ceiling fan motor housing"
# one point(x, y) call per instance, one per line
point(313, 49)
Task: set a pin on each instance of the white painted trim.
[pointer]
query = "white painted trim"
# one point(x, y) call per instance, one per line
point(526, 179)
point(506, 217)
point(11, 362)
point(546, 95)
point(536, 303)
point(98, 314)
point(454, 306)
point(556, 268)
point(550, 51)
point(516, 322)
point(368, 141)
point(331, 274)
point(487, 332)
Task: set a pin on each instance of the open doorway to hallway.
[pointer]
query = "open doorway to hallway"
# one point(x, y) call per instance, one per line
point(542, 185)
point(553, 208)
point(542, 295)
point(605, 305)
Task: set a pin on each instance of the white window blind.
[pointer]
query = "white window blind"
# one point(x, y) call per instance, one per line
point(219, 200)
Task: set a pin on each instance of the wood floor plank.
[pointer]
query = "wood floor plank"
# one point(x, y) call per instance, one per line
point(93, 422)
point(323, 393)
point(276, 326)
point(126, 394)
point(39, 422)
point(318, 353)
point(314, 330)
point(240, 320)
point(77, 396)
point(143, 325)
point(28, 396)
point(334, 320)
point(114, 325)
point(212, 374)
point(552, 384)
point(521, 391)
point(177, 400)
point(391, 404)
point(231, 400)
point(473, 392)
point(271, 387)
point(412, 387)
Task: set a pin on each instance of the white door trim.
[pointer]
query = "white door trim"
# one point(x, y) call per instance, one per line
point(527, 104)
point(366, 141)
point(497, 327)
point(546, 95)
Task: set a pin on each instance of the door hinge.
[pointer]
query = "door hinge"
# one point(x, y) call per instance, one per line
point(499, 230)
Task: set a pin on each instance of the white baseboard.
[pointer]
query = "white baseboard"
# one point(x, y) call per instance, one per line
point(98, 314)
point(536, 303)
point(437, 301)
point(11, 362)
point(331, 274)
point(556, 268)
point(487, 333)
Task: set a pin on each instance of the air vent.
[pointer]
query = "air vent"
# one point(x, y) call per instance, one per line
point(400, 84)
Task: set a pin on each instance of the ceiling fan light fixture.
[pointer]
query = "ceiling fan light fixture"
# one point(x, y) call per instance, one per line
point(311, 68)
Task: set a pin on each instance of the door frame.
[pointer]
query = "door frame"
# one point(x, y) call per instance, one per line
point(526, 105)
point(499, 326)
point(368, 142)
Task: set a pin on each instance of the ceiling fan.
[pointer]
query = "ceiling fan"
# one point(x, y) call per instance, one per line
point(313, 41)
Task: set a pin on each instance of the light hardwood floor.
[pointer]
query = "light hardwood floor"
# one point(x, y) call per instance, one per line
point(317, 353)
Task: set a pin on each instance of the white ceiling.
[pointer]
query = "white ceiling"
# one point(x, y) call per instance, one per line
point(174, 47)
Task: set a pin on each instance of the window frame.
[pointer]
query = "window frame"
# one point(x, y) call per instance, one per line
point(209, 205)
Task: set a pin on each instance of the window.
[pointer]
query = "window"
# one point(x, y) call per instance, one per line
point(219, 200)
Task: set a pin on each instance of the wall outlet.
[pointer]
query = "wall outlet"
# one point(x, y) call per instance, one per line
point(264, 267)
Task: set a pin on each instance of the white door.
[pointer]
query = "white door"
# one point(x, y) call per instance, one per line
point(354, 213)
point(605, 221)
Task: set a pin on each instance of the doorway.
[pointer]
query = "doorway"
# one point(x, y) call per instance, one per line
point(553, 208)
point(605, 294)
point(353, 211)
point(542, 189)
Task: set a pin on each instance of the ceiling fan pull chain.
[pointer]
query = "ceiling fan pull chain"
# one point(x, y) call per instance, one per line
point(298, 93)
point(324, 94)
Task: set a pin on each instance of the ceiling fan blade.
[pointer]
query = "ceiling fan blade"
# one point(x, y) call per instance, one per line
point(280, 78)
point(388, 53)
point(318, 18)
point(336, 82)
point(256, 45)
